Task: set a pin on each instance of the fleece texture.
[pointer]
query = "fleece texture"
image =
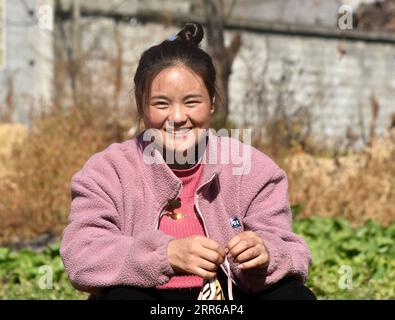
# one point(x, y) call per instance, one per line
point(112, 237)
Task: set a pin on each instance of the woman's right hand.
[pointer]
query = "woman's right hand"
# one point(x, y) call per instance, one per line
point(196, 255)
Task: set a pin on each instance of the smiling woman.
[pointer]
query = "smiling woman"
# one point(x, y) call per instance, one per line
point(176, 94)
point(180, 112)
point(174, 230)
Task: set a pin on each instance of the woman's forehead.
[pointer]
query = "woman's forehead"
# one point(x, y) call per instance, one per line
point(177, 78)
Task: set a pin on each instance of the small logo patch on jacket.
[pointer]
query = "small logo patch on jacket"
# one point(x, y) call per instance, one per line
point(235, 223)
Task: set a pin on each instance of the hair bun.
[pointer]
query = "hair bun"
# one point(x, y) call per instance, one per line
point(192, 32)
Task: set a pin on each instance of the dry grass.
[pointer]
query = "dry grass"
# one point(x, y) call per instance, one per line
point(35, 187)
point(37, 165)
point(359, 186)
point(11, 137)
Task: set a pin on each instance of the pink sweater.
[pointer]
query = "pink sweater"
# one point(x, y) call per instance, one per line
point(187, 225)
point(112, 237)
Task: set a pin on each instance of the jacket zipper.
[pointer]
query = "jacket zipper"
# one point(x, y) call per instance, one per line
point(201, 217)
point(198, 211)
point(197, 205)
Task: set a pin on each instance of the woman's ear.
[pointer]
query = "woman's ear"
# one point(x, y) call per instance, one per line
point(212, 109)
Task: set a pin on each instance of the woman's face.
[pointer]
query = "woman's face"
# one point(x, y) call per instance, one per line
point(179, 105)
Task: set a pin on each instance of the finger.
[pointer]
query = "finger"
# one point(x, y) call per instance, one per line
point(241, 236)
point(211, 256)
point(241, 246)
point(260, 262)
point(213, 245)
point(234, 241)
point(249, 254)
point(207, 265)
point(204, 273)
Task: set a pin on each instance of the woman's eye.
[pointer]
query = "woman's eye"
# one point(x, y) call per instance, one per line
point(191, 103)
point(161, 104)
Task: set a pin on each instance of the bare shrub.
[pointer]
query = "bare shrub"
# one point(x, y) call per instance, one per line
point(36, 190)
point(359, 186)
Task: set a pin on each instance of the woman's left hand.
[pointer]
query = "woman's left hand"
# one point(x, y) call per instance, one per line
point(248, 249)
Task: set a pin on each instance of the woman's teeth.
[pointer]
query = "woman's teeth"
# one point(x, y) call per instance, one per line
point(179, 132)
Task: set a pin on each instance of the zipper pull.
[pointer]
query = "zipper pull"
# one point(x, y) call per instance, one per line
point(174, 203)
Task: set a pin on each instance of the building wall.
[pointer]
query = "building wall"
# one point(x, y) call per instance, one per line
point(327, 82)
point(2, 34)
point(27, 71)
point(334, 79)
point(331, 80)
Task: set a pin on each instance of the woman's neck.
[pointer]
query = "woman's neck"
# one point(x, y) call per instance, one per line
point(189, 163)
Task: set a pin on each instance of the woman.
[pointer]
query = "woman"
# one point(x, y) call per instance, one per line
point(161, 216)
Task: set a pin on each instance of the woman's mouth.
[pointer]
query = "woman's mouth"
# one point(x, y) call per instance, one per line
point(182, 132)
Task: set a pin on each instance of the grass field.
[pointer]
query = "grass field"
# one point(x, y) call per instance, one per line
point(349, 263)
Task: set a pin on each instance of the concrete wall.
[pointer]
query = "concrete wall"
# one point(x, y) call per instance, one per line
point(330, 79)
point(334, 79)
point(28, 55)
point(2, 35)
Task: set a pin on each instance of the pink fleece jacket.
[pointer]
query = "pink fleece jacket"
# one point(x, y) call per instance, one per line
point(112, 237)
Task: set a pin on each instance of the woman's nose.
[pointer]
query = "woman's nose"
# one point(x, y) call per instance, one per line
point(178, 114)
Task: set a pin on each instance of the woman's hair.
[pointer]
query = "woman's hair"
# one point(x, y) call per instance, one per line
point(182, 49)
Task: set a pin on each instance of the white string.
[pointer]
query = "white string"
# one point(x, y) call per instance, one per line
point(230, 284)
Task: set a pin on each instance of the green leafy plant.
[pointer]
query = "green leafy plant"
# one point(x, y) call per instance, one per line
point(21, 273)
point(368, 251)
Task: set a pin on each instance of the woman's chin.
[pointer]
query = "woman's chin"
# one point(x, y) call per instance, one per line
point(180, 148)
point(184, 151)
point(180, 144)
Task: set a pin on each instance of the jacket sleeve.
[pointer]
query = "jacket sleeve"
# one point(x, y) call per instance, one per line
point(94, 251)
point(269, 215)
